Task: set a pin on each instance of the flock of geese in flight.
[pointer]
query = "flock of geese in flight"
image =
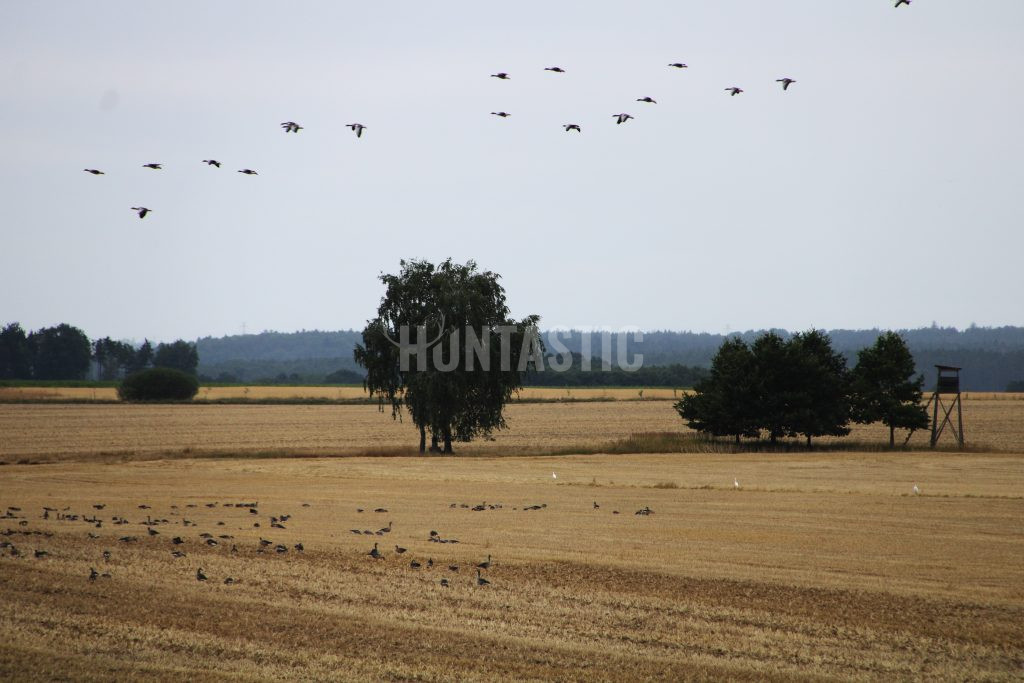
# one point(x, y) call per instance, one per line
point(358, 128)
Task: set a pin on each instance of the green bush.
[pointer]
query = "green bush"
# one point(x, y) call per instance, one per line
point(158, 384)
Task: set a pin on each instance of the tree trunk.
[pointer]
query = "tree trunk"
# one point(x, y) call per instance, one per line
point(737, 439)
point(447, 440)
point(892, 436)
point(423, 439)
point(808, 440)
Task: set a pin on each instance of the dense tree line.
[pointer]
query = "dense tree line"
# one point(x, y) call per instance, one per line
point(801, 386)
point(645, 376)
point(990, 357)
point(64, 352)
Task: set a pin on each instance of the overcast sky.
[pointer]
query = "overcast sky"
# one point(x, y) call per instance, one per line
point(885, 188)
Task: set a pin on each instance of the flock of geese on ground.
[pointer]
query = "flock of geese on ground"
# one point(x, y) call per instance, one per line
point(178, 543)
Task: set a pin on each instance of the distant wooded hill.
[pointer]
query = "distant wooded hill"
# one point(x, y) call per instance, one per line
point(991, 358)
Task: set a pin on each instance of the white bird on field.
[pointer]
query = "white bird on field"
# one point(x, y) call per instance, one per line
point(917, 491)
point(735, 483)
point(554, 476)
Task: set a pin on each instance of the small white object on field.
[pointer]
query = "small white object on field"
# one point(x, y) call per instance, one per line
point(735, 483)
point(917, 491)
point(554, 476)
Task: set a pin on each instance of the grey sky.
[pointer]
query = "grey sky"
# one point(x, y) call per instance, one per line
point(898, 150)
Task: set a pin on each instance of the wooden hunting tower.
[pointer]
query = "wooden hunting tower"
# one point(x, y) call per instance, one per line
point(947, 383)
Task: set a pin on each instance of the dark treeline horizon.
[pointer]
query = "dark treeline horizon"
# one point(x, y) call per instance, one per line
point(992, 357)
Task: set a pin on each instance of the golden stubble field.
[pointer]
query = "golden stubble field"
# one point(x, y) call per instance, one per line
point(60, 431)
point(818, 566)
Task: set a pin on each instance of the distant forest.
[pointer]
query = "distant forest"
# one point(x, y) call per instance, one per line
point(991, 358)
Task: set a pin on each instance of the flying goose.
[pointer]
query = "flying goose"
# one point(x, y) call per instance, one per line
point(94, 171)
point(734, 91)
point(502, 114)
point(291, 127)
point(556, 69)
point(142, 211)
point(786, 82)
point(153, 166)
point(358, 129)
point(619, 118)
point(212, 162)
point(679, 65)
point(649, 100)
point(501, 74)
point(902, 2)
point(572, 126)
point(248, 171)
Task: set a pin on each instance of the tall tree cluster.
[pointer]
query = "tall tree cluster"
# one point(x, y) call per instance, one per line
point(802, 387)
point(64, 352)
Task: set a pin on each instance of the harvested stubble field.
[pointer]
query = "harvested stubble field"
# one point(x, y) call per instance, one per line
point(819, 566)
point(41, 432)
point(342, 393)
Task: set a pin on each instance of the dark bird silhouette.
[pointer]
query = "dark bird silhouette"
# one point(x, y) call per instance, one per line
point(380, 510)
point(291, 127)
point(94, 171)
point(212, 542)
point(596, 506)
point(679, 65)
point(649, 100)
point(502, 114)
point(375, 554)
point(556, 69)
point(153, 166)
point(229, 581)
point(93, 574)
point(481, 581)
point(415, 565)
point(902, 2)
point(572, 126)
point(358, 129)
point(621, 118)
point(177, 553)
point(300, 547)
point(786, 82)
point(485, 565)
point(734, 91)
point(99, 506)
point(453, 567)
point(106, 556)
point(177, 540)
point(41, 553)
point(399, 549)
point(248, 171)
point(141, 210)
point(152, 532)
point(212, 162)
point(444, 582)
point(502, 75)
point(200, 576)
